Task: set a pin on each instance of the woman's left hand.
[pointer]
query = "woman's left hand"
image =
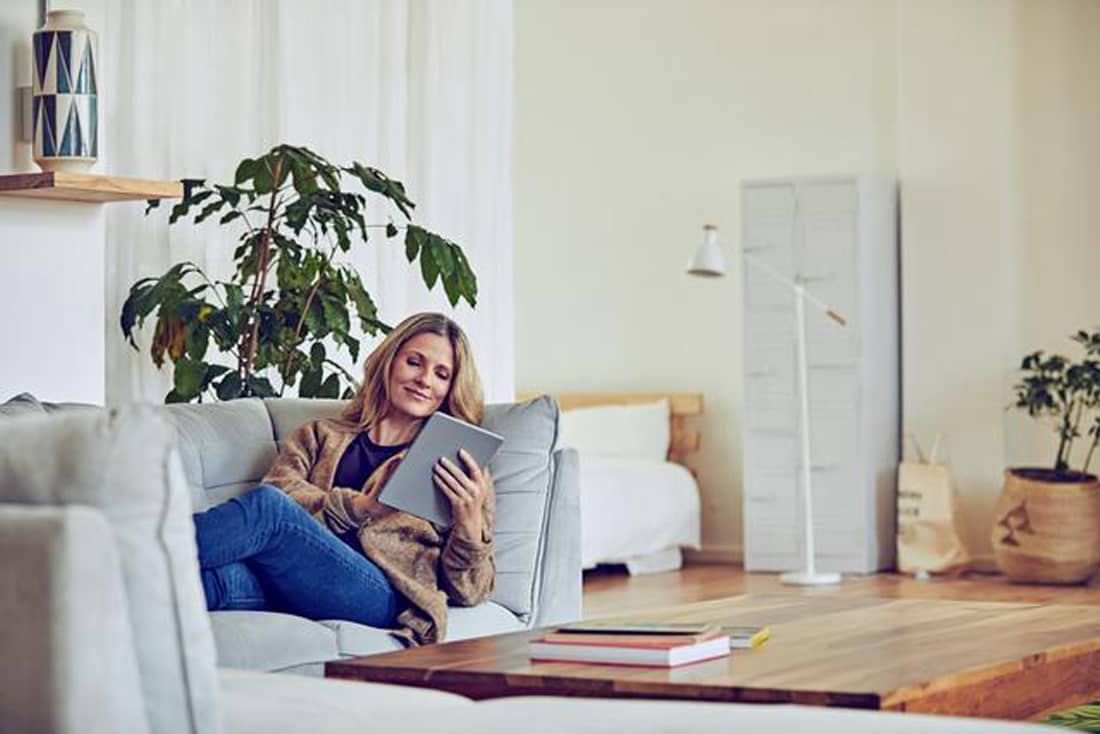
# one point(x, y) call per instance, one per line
point(466, 491)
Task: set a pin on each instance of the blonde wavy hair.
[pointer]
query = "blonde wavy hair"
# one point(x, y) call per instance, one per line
point(464, 399)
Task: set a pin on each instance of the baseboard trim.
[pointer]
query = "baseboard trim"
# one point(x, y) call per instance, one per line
point(727, 554)
point(735, 555)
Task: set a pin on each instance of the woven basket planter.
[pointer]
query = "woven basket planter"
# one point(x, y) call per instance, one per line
point(1047, 532)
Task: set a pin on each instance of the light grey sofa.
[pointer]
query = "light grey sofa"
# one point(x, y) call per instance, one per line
point(105, 628)
point(227, 447)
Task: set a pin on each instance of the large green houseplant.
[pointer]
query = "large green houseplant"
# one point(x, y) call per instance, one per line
point(273, 324)
point(1047, 527)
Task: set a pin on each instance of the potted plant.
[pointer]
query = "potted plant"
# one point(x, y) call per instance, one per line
point(275, 323)
point(1047, 527)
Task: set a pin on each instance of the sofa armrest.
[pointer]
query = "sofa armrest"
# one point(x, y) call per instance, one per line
point(68, 650)
point(559, 592)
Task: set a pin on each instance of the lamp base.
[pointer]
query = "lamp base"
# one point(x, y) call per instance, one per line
point(810, 578)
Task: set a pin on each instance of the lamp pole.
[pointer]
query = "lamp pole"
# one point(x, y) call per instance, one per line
point(808, 575)
point(708, 262)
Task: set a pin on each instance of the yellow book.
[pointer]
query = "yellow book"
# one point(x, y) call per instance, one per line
point(748, 638)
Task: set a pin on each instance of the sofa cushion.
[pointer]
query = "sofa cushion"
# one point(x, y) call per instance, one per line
point(226, 447)
point(289, 413)
point(487, 618)
point(270, 641)
point(263, 703)
point(124, 463)
point(523, 473)
point(353, 639)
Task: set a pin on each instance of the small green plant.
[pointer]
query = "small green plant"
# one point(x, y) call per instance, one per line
point(289, 293)
point(1082, 718)
point(1055, 387)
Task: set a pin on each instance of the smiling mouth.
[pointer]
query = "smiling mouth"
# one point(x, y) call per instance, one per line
point(418, 395)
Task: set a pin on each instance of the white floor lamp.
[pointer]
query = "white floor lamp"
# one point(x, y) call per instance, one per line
point(708, 262)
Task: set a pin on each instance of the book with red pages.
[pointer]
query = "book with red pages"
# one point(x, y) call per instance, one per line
point(660, 650)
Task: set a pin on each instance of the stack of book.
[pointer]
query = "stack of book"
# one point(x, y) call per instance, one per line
point(651, 645)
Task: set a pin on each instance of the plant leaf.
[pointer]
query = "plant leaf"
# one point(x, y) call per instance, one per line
point(415, 237)
point(336, 314)
point(187, 380)
point(231, 387)
point(441, 251)
point(246, 169)
point(378, 182)
point(197, 341)
point(311, 382)
point(260, 387)
point(428, 269)
point(174, 397)
point(330, 388)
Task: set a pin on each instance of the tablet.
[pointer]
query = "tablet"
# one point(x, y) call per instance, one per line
point(412, 488)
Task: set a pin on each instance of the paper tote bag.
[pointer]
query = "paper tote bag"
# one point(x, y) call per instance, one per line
point(927, 537)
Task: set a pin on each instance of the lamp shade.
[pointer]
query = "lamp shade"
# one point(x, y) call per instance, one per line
point(708, 260)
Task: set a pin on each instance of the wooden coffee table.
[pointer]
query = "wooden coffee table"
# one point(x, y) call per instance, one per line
point(1011, 661)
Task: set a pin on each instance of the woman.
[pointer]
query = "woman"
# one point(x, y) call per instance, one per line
point(355, 558)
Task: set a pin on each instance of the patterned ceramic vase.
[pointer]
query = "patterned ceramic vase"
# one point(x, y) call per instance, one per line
point(66, 113)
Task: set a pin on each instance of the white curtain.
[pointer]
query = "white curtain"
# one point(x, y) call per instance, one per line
point(421, 89)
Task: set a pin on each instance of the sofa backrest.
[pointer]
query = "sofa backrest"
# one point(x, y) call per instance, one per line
point(124, 464)
point(227, 448)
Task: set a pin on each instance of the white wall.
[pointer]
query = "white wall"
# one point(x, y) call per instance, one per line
point(1055, 190)
point(51, 259)
point(998, 158)
point(636, 121)
point(955, 130)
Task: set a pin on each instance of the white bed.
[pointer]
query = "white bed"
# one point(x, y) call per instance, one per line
point(639, 501)
point(637, 512)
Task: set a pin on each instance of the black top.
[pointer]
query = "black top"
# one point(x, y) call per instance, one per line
point(360, 460)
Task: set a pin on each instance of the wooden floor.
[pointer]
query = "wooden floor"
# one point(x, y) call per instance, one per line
point(611, 590)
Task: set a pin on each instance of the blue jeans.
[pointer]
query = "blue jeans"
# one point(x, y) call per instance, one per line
point(262, 551)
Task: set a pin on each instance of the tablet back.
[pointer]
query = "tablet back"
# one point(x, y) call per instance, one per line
point(412, 489)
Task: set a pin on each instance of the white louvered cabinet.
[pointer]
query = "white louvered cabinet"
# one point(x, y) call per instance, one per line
point(838, 236)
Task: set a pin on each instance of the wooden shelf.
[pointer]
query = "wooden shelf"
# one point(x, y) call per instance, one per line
point(65, 186)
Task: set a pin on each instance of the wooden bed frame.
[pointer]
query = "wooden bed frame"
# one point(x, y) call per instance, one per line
point(683, 440)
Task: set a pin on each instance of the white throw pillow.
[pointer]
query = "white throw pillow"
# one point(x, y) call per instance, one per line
point(627, 431)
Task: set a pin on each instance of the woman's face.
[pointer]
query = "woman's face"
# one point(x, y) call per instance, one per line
point(421, 375)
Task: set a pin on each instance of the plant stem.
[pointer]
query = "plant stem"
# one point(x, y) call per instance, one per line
point(1088, 456)
point(1060, 462)
point(305, 309)
point(249, 342)
point(298, 328)
point(1073, 426)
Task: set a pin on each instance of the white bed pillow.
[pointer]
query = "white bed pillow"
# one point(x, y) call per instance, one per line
point(626, 431)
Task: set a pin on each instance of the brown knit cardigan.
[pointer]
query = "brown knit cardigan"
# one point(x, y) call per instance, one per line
point(429, 566)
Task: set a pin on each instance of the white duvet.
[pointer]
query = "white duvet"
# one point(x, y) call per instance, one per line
point(631, 508)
